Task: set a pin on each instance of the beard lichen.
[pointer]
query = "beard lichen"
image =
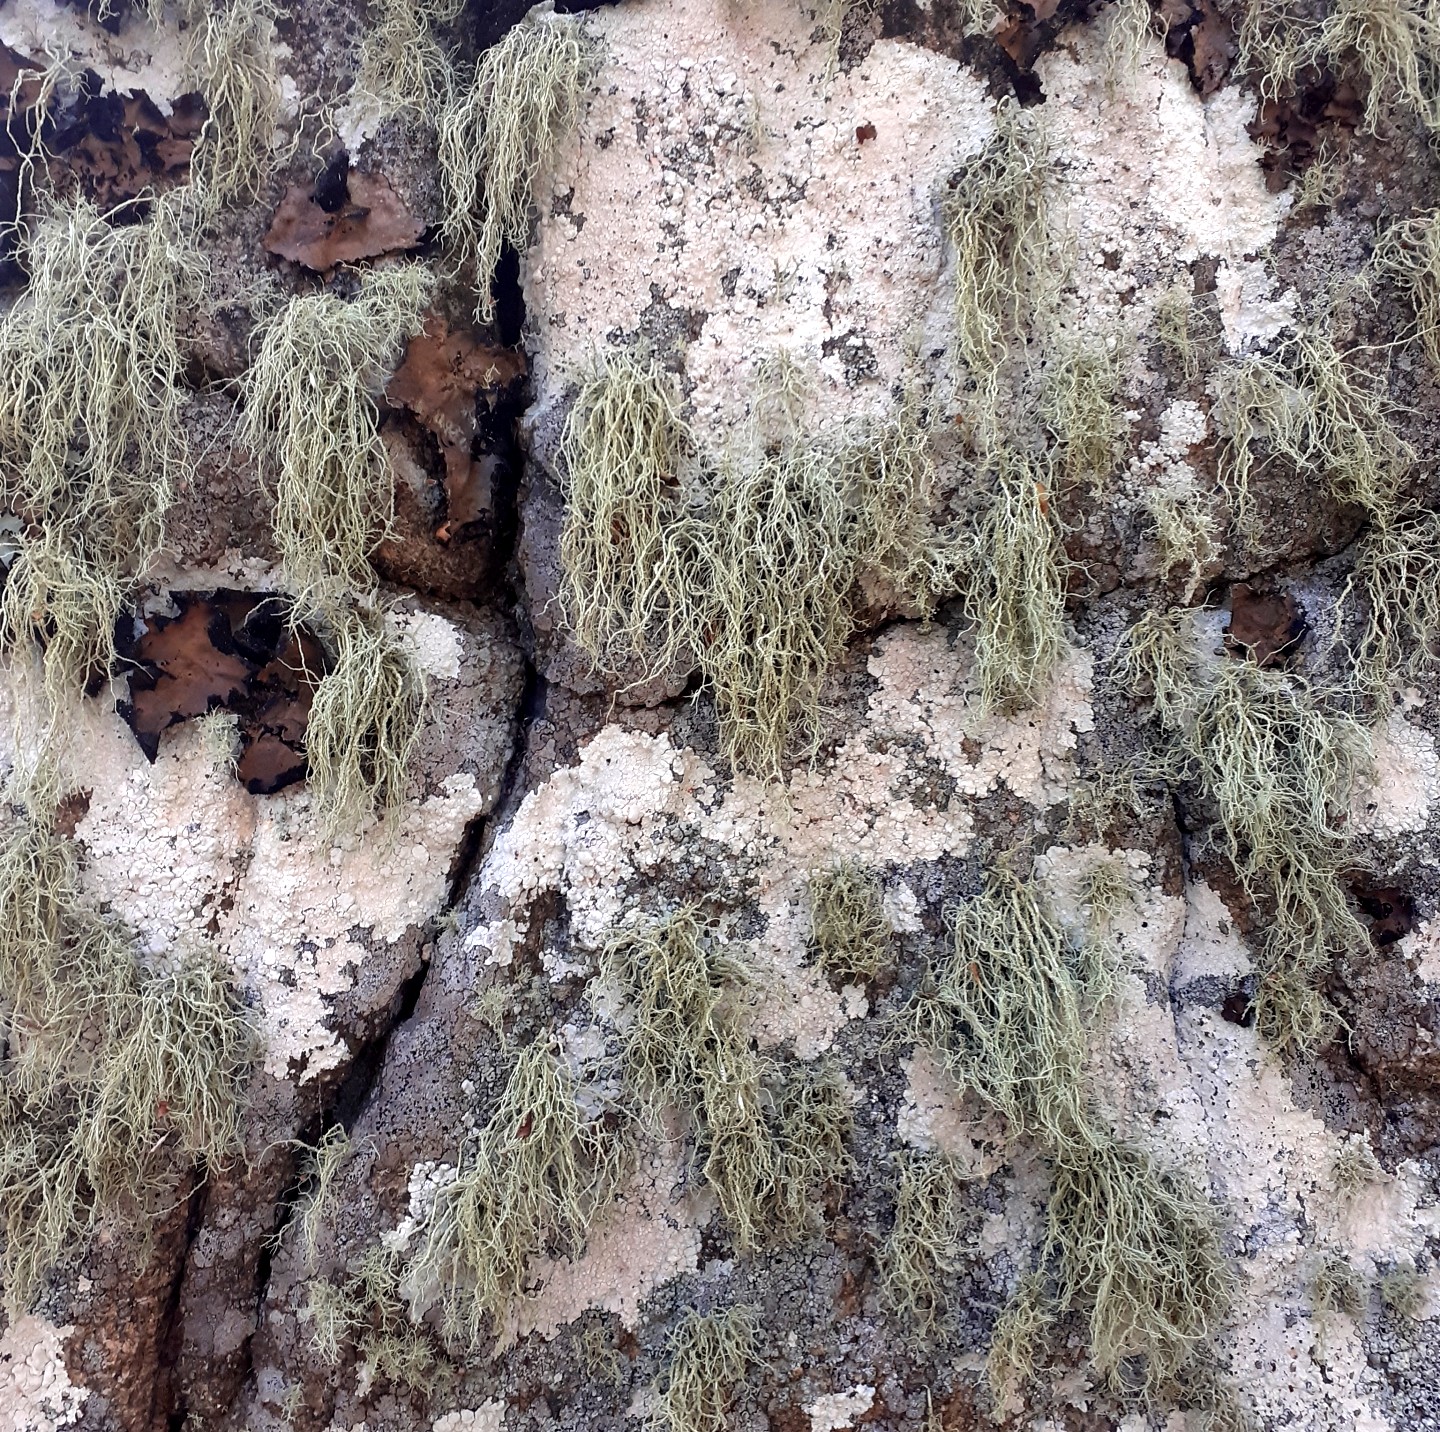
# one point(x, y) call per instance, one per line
point(533, 1180)
point(92, 443)
point(1280, 767)
point(748, 569)
point(925, 1243)
point(230, 54)
point(116, 1076)
point(1309, 408)
point(709, 1355)
point(767, 1138)
point(310, 416)
point(495, 136)
point(1131, 1248)
point(995, 219)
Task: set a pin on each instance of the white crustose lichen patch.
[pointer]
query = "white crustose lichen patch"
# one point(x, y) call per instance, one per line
point(188, 859)
point(634, 802)
point(36, 1394)
point(785, 209)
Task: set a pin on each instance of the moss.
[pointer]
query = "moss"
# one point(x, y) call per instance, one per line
point(309, 415)
point(925, 1244)
point(848, 922)
point(1280, 768)
point(1309, 408)
point(531, 1184)
point(710, 1353)
point(995, 220)
point(495, 137)
point(366, 717)
point(91, 439)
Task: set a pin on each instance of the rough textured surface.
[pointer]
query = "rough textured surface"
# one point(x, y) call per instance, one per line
point(749, 189)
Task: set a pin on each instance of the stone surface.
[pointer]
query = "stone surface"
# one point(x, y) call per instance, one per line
point(746, 179)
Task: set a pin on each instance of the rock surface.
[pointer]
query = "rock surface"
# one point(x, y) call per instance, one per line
point(747, 182)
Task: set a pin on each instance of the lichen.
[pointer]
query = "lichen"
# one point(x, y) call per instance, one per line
point(92, 443)
point(995, 218)
point(1280, 766)
point(847, 916)
point(366, 717)
point(1132, 1248)
point(495, 136)
point(1309, 408)
point(231, 54)
point(404, 69)
point(709, 1354)
point(925, 1243)
point(533, 1179)
point(1013, 586)
point(309, 415)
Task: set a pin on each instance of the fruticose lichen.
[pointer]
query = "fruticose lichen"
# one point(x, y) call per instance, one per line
point(310, 416)
point(1132, 1248)
point(495, 136)
point(709, 1354)
point(92, 442)
point(1280, 766)
point(533, 1179)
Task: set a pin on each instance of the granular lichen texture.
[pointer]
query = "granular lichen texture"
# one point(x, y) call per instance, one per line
point(718, 715)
